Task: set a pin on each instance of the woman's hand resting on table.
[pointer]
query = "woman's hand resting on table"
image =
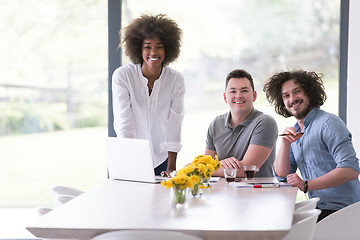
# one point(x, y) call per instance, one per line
point(165, 174)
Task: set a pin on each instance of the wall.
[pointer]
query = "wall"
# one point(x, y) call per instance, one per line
point(353, 87)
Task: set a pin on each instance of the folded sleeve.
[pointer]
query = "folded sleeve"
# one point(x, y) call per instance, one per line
point(338, 141)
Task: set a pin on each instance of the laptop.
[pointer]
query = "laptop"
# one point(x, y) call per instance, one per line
point(130, 159)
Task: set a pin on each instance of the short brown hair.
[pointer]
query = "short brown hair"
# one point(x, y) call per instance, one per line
point(239, 73)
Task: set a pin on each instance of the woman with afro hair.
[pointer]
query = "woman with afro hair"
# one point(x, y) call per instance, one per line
point(148, 96)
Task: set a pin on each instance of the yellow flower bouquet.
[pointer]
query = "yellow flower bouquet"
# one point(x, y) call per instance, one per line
point(201, 167)
point(179, 184)
point(195, 176)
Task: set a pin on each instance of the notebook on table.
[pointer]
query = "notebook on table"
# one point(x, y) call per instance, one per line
point(130, 159)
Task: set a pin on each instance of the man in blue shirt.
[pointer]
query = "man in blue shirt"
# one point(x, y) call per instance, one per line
point(319, 144)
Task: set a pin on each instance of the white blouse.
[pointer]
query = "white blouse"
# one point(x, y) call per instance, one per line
point(157, 117)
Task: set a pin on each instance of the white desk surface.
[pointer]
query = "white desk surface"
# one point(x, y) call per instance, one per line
point(223, 212)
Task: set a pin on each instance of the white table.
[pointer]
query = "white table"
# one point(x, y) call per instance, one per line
point(223, 212)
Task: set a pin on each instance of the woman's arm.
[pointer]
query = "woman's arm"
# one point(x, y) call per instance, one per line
point(123, 118)
point(171, 162)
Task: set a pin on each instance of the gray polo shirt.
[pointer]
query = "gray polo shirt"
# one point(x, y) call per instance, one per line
point(258, 129)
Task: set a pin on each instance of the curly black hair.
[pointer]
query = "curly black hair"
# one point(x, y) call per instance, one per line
point(152, 26)
point(310, 82)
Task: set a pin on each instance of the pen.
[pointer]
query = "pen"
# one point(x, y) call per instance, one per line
point(266, 186)
point(285, 134)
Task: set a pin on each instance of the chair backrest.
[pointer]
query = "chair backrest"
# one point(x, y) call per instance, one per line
point(145, 234)
point(343, 224)
point(303, 225)
point(61, 199)
point(43, 210)
point(65, 190)
point(306, 205)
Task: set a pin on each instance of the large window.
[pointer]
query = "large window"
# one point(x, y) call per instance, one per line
point(53, 77)
point(261, 37)
point(53, 98)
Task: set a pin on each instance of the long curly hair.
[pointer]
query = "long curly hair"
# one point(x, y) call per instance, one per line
point(310, 82)
point(151, 26)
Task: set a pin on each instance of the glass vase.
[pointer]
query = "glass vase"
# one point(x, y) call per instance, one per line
point(196, 191)
point(179, 195)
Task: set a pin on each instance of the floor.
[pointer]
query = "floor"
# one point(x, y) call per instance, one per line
point(13, 222)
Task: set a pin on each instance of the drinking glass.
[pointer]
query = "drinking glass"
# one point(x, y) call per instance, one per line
point(230, 175)
point(249, 171)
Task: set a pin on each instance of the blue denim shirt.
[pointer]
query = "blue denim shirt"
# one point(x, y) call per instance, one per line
point(325, 145)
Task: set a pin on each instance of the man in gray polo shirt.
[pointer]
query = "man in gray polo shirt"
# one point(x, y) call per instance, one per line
point(243, 136)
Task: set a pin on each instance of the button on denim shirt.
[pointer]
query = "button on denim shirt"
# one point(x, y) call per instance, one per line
point(325, 145)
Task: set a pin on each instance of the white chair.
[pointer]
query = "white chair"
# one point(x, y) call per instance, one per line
point(303, 225)
point(144, 234)
point(63, 194)
point(61, 199)
point(64, 190)
point(343, 224)
point(306, 205)
point(43, 210)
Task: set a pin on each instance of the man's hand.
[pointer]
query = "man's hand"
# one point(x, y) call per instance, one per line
point(291, 135)
point(231, 162)
point(295, 181)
